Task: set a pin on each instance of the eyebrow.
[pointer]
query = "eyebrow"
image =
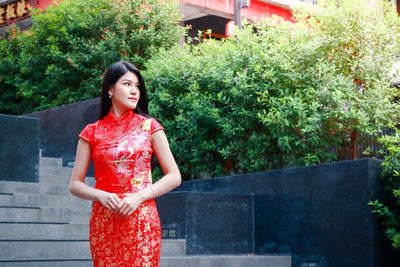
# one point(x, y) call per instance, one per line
point(129, 81)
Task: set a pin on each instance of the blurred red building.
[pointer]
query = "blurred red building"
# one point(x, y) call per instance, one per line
point(17, 11)
point(202, 15)
point(218, 15)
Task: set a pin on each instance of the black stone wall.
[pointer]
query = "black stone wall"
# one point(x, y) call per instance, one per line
point(61, 126)
point(317, 214)
point(19, 148)
point(211, 222)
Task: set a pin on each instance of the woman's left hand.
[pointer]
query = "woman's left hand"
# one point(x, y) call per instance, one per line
point(129, 204)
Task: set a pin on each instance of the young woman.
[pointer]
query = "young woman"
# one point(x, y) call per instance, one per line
point(124, 226)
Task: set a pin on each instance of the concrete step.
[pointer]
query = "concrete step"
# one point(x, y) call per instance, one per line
point(55, 170)
point(61, 249)
point(186, 261)
point(51, 171)
point(44, 201)
point(72, 232)
point(39, 250)
point(36, 214)
point(173, 247)
point(48, 263)
point(33, 188)
point(50, 162)
point(58, 179)
point(226, 261)
point(43, 231)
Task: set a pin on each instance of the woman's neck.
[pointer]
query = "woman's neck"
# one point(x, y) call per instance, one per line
point(118, 111)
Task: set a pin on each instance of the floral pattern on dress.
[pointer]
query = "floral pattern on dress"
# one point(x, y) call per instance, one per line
point(129, 158)
point(121, 152)
point(125, 242)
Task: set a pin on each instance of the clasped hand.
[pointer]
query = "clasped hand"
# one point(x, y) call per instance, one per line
point(125, 206)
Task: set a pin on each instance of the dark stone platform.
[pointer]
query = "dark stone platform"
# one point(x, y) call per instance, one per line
point(211, 223)
point(317, 214)
point(19, 148)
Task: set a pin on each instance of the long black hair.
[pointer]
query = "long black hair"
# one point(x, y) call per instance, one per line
point(113, 73)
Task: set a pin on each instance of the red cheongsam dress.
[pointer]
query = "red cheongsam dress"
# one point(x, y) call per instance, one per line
point(121, 151)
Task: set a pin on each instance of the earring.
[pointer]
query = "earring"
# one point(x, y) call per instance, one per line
point(109, 95)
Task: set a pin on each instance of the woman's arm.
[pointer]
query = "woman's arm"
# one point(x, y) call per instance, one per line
point(172, 177)
point(169, 181)
point(77, 184)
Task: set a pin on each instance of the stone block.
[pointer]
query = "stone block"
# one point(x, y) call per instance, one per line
point(219, 223)
point(19, 148)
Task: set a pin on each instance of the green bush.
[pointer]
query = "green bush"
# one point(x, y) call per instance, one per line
point(279, 94)
point(388, 210)
point(62, 58)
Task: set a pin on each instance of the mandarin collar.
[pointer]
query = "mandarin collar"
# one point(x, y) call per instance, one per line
point(127, 116)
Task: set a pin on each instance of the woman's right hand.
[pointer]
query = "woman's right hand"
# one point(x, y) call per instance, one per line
point(108, 200)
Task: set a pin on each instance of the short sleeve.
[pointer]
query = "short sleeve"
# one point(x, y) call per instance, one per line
point(155, 126)
point(88, 133)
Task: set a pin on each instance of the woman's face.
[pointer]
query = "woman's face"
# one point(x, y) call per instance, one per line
point(125, 93)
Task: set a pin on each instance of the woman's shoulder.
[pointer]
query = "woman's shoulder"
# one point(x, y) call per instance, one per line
point(88, 132)
point(92, 125)
point(90, 128)
point(154, 125)
point(150, 123)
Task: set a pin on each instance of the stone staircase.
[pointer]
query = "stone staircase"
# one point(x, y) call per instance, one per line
point(42, 224)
